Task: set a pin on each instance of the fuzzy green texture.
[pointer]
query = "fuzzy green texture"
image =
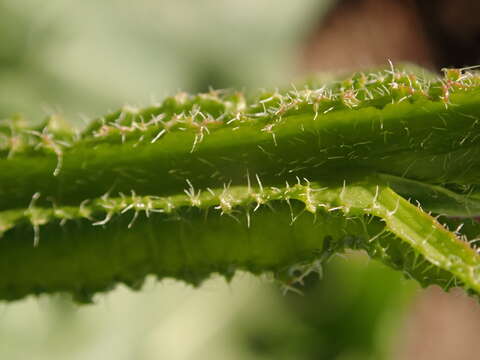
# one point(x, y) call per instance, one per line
point(277, 183)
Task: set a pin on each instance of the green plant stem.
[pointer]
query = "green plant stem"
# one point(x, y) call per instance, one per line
point(200, 176)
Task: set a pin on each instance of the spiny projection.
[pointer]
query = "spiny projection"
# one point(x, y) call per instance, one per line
point(220, 181)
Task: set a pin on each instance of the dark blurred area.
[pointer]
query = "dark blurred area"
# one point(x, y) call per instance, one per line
point(82, 59)
point(363, 33)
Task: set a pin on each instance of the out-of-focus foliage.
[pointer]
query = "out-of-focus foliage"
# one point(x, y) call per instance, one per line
point(351, 314)
point(89, 56)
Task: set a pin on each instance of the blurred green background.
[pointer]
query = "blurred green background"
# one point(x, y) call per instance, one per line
point(84, 58)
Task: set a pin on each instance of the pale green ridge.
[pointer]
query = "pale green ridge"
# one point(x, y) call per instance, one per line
point(258, 229)
point(352, 129)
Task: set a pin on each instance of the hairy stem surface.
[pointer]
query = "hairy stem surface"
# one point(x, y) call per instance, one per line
point(214, 183)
